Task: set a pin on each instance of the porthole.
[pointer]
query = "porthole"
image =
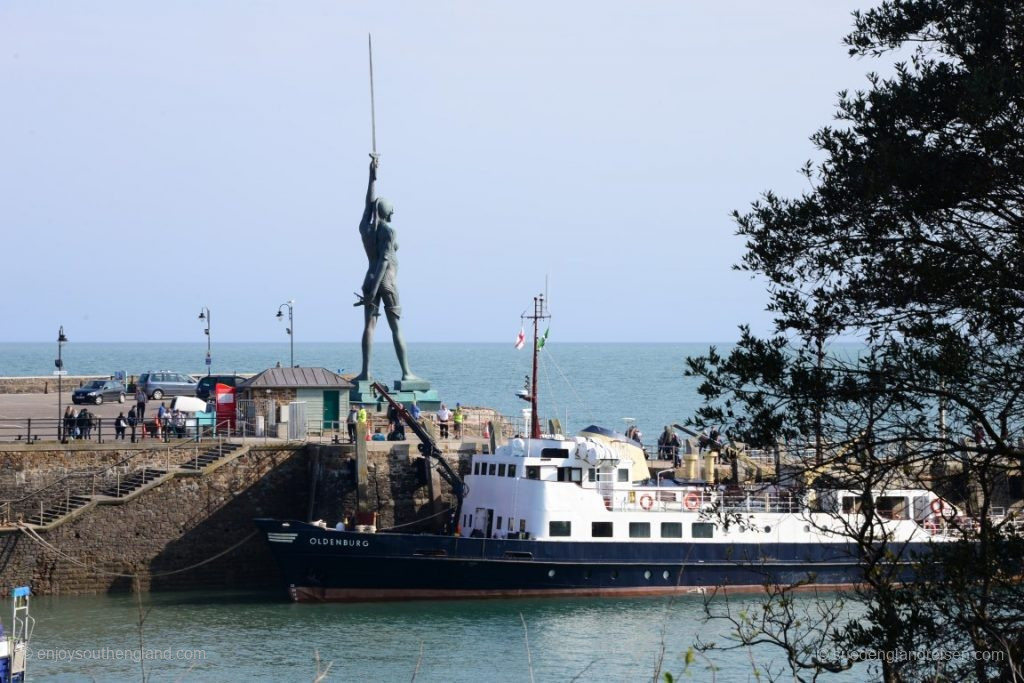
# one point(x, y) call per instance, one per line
point(551, 573)
point(586, 575)
point(664, 575)
point(767, 529)
point(647, 574)
point(615, 574)
point(807, 528)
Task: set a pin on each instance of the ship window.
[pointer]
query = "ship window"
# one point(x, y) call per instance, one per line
point(576, 475)
point(501, 470)
point(560, 528)
point(671, 530)
point(851, 505)
point(702, 530)
point(533, 472)
point(624, 474)
point(476, 468)
point(601, 529)
point(470, 521)
point(510, 524)
point(522, 525)
point(493, 468)
point(498, 525)
point(892, 507)
point(639, 529)
point(511, 470)
point(554, 453)
point(592, 474)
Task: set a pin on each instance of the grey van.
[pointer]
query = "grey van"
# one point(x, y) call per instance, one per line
point(166, 383)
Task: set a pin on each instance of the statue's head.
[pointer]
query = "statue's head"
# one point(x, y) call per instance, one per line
point(384, 209)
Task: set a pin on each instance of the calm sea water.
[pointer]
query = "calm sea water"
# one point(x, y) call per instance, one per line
point(579, 383)
point(255, 637)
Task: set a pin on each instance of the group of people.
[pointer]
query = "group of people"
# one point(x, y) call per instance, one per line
point(446, 420)
point(78, 425)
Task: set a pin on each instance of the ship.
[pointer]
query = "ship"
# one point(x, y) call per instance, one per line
point(583, 515)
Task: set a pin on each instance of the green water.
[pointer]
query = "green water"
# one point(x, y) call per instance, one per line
point(244, 637)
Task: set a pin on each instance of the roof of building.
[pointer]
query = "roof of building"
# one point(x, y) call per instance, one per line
point(294, 378)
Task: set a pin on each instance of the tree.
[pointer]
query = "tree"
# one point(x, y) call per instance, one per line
point(910, 241)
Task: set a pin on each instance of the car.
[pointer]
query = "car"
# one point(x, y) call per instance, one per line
point(166, 383)
point(204, 389)
point(98, 391)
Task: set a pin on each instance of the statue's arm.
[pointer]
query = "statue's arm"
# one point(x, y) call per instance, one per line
point(371, 194)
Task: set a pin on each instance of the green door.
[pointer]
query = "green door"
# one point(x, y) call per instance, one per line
point(331, 403)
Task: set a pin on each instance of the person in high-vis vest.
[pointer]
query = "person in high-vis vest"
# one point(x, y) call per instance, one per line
point(458, 417)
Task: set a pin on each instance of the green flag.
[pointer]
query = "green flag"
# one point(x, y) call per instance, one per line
point(543, 339)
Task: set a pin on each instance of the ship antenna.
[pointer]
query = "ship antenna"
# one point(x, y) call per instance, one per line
point(539, 313)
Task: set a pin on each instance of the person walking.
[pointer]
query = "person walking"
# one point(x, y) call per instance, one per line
point(363, 419)
point(140, 405)
point(443, 416)
point(668, 446)
point(120, 426)
point(84, 423)
point(350, 422)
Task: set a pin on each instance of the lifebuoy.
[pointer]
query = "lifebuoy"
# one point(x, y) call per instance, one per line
point(691, 501)
point(938, 506)
point(646, 502)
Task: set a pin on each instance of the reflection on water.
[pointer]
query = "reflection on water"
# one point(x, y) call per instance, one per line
point(236, 637)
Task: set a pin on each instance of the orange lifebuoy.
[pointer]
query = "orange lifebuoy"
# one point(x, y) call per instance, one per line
point(938, 506)
point(646, 502)
point(691, 501)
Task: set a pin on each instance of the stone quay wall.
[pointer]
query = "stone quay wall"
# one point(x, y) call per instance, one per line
point(44, 384)
point(189, 519)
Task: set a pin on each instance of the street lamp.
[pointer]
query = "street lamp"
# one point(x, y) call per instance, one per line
point(61, 341)
point(291, 326)
point(204, 314)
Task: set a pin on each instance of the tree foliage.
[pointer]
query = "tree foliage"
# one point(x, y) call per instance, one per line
point(910, 241)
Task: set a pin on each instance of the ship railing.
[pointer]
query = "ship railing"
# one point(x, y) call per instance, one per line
point(690, 500)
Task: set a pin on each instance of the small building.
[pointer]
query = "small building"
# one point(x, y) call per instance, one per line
point(324, 392)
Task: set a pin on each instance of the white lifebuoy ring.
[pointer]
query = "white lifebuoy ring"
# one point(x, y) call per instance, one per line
point(646, 502)
point(691, 501)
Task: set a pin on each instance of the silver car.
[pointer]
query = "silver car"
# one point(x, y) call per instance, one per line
point(166, 383)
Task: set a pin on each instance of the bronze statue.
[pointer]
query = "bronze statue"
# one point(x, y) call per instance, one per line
point(380, 285)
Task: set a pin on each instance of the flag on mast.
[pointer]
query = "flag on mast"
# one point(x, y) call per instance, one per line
point(543, 339)
point(521, 338)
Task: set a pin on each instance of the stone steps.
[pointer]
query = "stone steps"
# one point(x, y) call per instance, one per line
point(135, 484)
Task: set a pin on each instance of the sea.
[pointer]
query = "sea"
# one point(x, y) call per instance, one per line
point(229, 636)
point(611, 385)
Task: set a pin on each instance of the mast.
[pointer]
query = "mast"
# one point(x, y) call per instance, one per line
point(539, 313)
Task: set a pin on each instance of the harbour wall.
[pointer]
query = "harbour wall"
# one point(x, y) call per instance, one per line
point(44, 384)
point(187, 520)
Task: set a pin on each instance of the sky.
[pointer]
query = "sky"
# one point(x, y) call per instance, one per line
point(157, 158)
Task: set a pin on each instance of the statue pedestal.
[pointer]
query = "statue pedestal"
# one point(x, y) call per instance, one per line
point(405, 392)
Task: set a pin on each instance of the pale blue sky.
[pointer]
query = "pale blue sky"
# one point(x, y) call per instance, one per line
point(159, 157)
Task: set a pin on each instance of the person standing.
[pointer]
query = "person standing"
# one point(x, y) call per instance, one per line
point(132, 422)
point(443, 416)
point(458, 417)
point(69, 423)
point(140, 405)
point(414, 411)
point(353, 417)
point(363, 419)
point(120, 426)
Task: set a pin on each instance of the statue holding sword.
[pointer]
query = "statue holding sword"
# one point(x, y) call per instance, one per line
point(380, 286)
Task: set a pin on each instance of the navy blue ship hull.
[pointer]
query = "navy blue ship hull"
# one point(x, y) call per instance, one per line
point(327, 565)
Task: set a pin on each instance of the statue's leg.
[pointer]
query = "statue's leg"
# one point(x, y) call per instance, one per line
point(370, 313)
point(393, 311)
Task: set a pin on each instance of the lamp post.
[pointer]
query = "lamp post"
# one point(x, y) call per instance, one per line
point(291, 326)
point(204, 315)
point(61, 341)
